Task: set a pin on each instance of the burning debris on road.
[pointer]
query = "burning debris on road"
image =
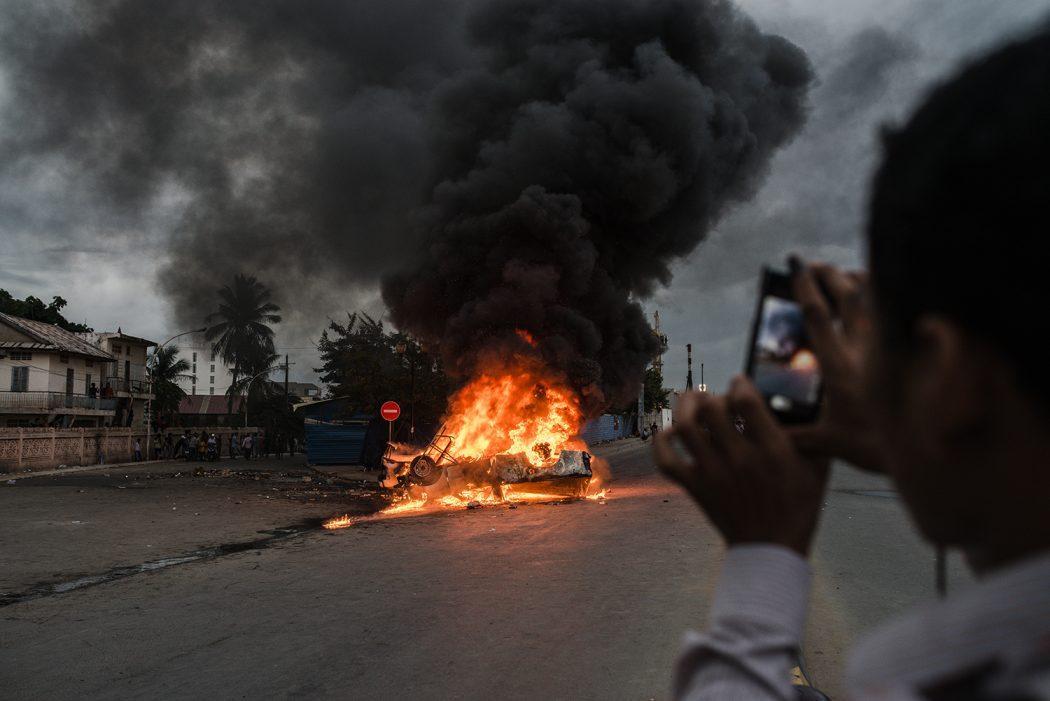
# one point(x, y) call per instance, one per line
point(541, 461)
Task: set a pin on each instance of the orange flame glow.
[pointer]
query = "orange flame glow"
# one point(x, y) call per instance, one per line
point(521, 412)
point(338, 522)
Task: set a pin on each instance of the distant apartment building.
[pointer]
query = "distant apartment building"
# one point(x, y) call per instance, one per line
point(207, 375)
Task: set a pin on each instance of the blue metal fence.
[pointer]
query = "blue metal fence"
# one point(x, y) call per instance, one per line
point(607, 427)
point(335, 444)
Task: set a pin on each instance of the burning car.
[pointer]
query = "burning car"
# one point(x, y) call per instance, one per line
point(567, 474)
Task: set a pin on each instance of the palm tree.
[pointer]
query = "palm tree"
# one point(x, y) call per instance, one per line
point(167, 370)
point(254, 376)
point(239, 328)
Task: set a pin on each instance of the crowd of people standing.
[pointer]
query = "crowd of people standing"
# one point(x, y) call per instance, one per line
point(200, 446)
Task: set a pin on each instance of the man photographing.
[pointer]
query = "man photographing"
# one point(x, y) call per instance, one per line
point(935, 376)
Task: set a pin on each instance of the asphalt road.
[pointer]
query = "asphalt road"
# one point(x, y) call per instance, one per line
point(577, 600)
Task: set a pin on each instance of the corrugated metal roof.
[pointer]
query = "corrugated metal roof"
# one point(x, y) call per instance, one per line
point(54, 338)
point(121, 336)
point(25, 345)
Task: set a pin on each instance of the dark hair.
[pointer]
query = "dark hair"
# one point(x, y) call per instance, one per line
point(960, 211)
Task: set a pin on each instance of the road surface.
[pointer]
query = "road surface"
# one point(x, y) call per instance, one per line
point(582, 600)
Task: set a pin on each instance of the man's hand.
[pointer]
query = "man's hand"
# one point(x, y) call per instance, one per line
point(843, 429)
point(753, 484)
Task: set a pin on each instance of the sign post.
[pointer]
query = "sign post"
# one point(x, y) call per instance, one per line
point(390, 411)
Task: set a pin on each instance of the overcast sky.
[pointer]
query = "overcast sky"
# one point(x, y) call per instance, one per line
point(874, 60)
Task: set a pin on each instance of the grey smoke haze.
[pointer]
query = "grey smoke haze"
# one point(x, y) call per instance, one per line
point(874, 62)
point(105, 259)
point(503, 164)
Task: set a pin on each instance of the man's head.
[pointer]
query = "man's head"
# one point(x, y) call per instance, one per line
point(959, 240)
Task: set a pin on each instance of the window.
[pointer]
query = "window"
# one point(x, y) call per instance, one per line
point(90, 363)
point(195, 367)
point(213, 367)
point(21, 355)
point(213, 356)
point(195, 357)
point(211, 390)
point(87, 383)
point(20, 379)
point(212, 379)
point(63, 358)
point(116, 349)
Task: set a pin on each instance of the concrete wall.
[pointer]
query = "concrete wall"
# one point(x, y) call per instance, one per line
point(23, 449)
point(48, 374)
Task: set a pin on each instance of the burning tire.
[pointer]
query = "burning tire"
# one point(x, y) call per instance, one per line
point(424, 471)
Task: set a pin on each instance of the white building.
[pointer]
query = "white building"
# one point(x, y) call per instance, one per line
point(47, 375)
point(207, 374)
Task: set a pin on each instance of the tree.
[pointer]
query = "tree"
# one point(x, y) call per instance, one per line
point(240, 329)
point(35, 310)
point(255, 369)
point(167, 370)
point(655, 392)
point(368, 366)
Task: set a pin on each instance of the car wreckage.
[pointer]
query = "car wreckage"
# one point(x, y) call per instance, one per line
point(569, 474)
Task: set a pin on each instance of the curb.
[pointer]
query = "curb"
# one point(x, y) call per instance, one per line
point(73, 469)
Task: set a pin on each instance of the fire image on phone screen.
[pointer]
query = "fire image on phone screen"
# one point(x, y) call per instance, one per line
point(784, 369)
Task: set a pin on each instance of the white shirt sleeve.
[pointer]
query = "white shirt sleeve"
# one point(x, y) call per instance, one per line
point(755, 627)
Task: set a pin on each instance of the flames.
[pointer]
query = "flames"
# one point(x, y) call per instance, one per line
point(512, 405)
point(523, 412)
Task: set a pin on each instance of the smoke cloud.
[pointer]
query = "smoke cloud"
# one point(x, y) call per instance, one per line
point(500, 165)
point(594, 144)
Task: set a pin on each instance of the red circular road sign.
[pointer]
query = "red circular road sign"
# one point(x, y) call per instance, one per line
point(390, 411)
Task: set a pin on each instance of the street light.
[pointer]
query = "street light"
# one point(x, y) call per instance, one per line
point(248, 388)
point(152, 389)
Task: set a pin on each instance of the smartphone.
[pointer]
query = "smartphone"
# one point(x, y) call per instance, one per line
point(780, 361)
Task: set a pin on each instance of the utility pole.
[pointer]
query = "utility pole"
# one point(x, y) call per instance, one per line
point(689, 364)
point(285, 378)
point(658, 361)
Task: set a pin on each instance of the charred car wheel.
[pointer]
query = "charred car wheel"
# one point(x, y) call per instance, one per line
point(424, 471)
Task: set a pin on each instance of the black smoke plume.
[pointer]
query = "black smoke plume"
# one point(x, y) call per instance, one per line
point(593, 144)
point(502, 165)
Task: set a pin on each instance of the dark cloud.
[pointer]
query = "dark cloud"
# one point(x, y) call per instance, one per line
point(522, 163)
point(872, 64)
point(865, 70)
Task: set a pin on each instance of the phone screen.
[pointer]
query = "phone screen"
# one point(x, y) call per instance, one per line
point(783, 367)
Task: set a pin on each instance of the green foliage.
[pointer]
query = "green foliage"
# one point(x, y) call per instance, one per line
point(35, 310)
point(167, 369)
point(655, 392)
point(239, 329)
point(368, 366)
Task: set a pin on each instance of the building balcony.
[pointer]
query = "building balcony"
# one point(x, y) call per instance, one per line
point(124, 385)
point(55, 403)
point(126, 379)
